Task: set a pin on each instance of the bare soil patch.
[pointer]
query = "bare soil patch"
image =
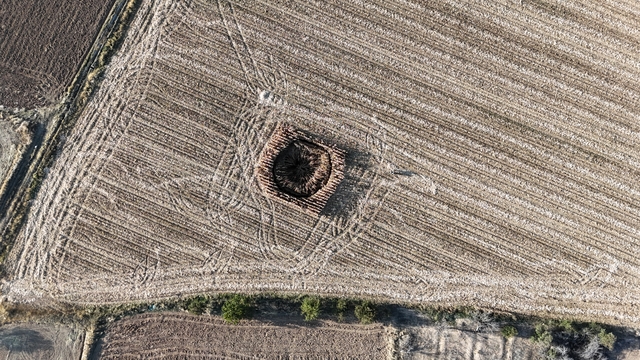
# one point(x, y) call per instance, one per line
point(43, 44)
point(40, 341)
point(9, 143)
point(178, 336)
point(434, 342)
point(492, 158)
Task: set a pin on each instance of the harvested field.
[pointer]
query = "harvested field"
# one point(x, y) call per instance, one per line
point(176, 336)
point(43, 44)
point(40, 341)
point(492, 158)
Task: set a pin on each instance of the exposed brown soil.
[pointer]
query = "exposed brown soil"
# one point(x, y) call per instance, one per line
point(42, 46)
point(179, 336)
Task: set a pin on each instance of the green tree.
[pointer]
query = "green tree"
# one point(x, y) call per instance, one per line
point(310, 308)
point(365, 312)
point(236, 308)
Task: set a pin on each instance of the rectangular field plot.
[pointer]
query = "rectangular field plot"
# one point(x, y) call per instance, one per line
point(176, 336)
point(42, 44)
point(492, 158)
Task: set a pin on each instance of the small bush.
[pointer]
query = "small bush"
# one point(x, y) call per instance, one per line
point(542, 335)
point(197, 305)
point(341, 306)
point(567, 326)
point(236, 308)
point(365, 312)
point(310, 308)
point(509, 331)
point(606, 339)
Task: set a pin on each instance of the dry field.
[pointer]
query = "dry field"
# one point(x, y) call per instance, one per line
point(176, 336)
point(42, 44)
point(432, 343)
point(40, 342)
point(492, 158)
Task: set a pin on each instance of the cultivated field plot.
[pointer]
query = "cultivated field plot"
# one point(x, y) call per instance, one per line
point(177, 336)
point(431, 343)
point(43, 44)
point(492, 158)
point(40, 341)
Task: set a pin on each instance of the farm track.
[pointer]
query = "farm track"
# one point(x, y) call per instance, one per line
point(516, 127)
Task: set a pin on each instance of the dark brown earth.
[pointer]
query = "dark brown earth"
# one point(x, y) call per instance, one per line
point(42, 44)
point(181, 336)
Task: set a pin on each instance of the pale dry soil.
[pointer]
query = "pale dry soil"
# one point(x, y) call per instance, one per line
point(27, 341)
point(8, 147)
point(14, 137)
point(492, 158)
point(435, 343)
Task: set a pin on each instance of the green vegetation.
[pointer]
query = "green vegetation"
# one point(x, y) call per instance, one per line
point(238, 307)
point(365, 312)
point(341, 306)
point(197, 305)
point(607, 339)
point(542, 335)
point(564, 339)
point(509, 331)
point(310, 308)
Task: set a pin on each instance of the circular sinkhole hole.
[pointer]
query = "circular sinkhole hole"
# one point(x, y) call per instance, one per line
point(302, 168)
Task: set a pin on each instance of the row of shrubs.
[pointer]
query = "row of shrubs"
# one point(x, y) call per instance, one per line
point(238, 307)
point(558, 339)
point(565, 340)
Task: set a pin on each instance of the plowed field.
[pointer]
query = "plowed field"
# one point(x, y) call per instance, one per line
point(173, 336)
point(42, 44)
point(492, 157)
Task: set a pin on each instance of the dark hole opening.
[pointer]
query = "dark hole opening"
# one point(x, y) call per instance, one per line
point(302, 168)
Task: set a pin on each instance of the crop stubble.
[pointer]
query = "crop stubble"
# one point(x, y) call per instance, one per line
point(492, 158)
